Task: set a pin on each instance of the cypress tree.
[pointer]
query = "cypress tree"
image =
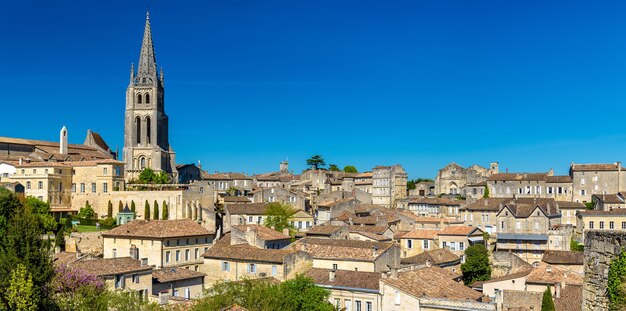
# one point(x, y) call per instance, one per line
point(547, 304)
point(132, 206)
point(155, 214)
point(146, 211)
point(165, 213)
point(120, 206)
point(110, 209)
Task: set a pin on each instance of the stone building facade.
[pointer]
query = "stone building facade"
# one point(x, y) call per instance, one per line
point(388, 185)
point(601, 247)
point(453, 177)
point(589, 179)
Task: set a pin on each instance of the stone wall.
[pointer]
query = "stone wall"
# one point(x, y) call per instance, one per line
point(505, 263)
point(600, 248)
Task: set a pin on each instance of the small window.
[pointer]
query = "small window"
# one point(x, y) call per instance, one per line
point(409, 243)
point(147, 98)
point(397, 298)
point(135, 278)
point(139, 98)
point(602, 225)
point(591, 225)
point(252, 268)
point(28, 185)
point(226, 266)
point(611, 225)
point(334, 266)
point(40, 185)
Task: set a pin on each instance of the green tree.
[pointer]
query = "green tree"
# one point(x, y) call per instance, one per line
point(120, 207)
point(110, 209)
point(476, 266)
point(155, 214)
point(132, 206)
point(299, 293)
point(146, 211)
point(165, 213)
point(589, 205)
point(574, 246)
point(350, 169)
point(59, 238)
point(146, 176)
point(42, 210)
point(87, 211)
point(9, 204)
point(547, 304)
point(22, 244)
point(616, 290)
point(279, 216)
point(412, 183)
point(161, 178)
point(316, 162)
point(21, 294)
point(334, 168)
point(486, 193)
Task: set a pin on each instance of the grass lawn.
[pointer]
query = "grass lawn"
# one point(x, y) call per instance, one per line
point(84, 228)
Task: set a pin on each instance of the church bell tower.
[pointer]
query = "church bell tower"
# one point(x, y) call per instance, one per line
point(146, 142)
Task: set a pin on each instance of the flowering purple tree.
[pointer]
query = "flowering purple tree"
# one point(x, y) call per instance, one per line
point(68, 280)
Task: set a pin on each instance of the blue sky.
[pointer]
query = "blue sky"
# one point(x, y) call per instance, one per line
point(532, 84)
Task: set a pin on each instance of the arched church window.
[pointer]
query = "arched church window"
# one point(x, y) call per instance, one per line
point(142, 163)
point(147, 98)
point(139, 98)
point(147, 125)
point(138, 132)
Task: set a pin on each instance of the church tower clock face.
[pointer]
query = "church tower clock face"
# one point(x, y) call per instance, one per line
point(146, 134)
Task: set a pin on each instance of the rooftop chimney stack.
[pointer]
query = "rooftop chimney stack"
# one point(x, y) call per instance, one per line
point(63, 141)
point(331, 275)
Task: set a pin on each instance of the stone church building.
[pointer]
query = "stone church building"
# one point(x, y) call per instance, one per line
point(453, 177)
point(146, 142)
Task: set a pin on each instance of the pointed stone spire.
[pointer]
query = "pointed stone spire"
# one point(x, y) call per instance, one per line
point(147, 60)
point(132, 72)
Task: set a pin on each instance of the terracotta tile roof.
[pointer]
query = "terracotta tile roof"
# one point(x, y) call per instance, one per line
point(459, 230)
point(45, 149)
point(110, 266)
point(563, 257)
point(159, 229)
point(334, 202)
point(345, 216)
point(559, 179)
point(64, 258)
point(366, 208)
point(421, 234)
point(571, 299)
point(609, 198)
point(342, 249)
point(436, 201)
point(246, 209)
point(373, 236)
point(434, 220)
point(231, 199)
point(225, 176)
point(345, 278)
point(440, 284)
point(245, 252)
point(518, 177)
point(436, 257)
point(369, 229)
point(523, 207)
point(570, 205)
point(594, 167)
point(175, 274)
point(522, 273)
point(548, 274)
point(489, 204)
point(399, 234)
point(615, 212)
point(364, 175)
point(267, 234)
point(324, 230)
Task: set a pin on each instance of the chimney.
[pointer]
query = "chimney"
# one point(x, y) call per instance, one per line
point(507, 170)
point(428, 263)
point(286, 232)
point(199, 165)
point(551, 172)
point(331, 275)
point(20, 161)
point(63, 140)
point(549, 269)
point(486, 202)
point(350, 221)
point(394, 273)
point(374, 251)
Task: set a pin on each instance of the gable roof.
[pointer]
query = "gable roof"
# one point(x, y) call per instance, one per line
point(159, 229)
point(524, 207)
point(440, 284)
point(427, 234)
point(110, 266)
point(563, 257)
point(265, 233)
point(436, 257)
point(486, 204)
point(246, 209)
point(345, 278)
point(324, 230)
point(459, 230)
point(175, 274)
point(548, 274)
point(245, 252)
point(594, 167)
point(571, 298)
point(342, 249)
